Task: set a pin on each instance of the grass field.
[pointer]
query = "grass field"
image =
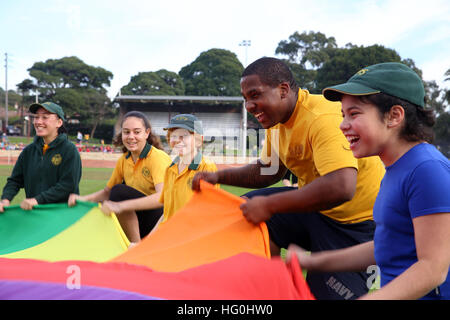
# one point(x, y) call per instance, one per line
point(94, 179)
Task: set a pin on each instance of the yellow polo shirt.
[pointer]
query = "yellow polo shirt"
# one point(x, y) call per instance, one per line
point(143, 175)
point(177, 189)
point(310, 144)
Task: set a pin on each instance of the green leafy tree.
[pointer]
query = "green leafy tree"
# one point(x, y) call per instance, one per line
point(447, 92)
point(442, 126)
point(305, 53)
point(69, 72)
point(215, 72)
point(161, 82)
point(442, 133)
point(433, 97)
point(13, 98)
point(314, 48)
point(305, 78)
point(25, 87)
point(79, 88)
point(345, 62)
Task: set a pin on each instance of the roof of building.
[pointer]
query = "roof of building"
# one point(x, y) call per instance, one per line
point(177, 98)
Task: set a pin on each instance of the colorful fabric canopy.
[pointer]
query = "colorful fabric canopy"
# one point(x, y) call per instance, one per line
point(241, 277)
point(206, 251)
point(209, 228)
point(55, 232)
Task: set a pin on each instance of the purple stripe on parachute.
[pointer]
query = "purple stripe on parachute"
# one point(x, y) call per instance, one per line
point(32, 290)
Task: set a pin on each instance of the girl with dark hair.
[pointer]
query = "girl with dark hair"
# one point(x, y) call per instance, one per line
point(152, 139)
point(49, 169)
point(138, 173)
point(384, 114)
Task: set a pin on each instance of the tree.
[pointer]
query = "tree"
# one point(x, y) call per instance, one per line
point(306, 52)
point(442, 126)
point(25, 87)
point(305, 78)
point(13, 97)
point(69, 72)
point(345, 62)
point(79, 88)
point(313, 48)
point(433, 97)
point(161, 82)
point(447, 92)
point(100, 105)
point(215, 72)
point(442, 133)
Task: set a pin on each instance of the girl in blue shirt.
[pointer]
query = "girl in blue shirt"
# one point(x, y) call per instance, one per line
point(385, 115)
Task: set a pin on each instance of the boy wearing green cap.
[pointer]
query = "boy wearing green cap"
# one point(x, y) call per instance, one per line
point(49, 169)
point(185, 136)
point(385, 115)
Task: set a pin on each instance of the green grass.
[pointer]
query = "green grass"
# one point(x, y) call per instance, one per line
point(238, 191)
point(94, 179)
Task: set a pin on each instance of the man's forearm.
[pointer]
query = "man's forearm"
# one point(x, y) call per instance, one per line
point(323, 193)
point(248, 176)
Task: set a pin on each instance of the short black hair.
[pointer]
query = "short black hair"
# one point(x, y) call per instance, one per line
point(271, 71)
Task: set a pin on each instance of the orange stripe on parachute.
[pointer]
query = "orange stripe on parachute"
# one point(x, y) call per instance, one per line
point(209, 228)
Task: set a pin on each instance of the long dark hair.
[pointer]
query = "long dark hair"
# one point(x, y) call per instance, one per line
point(152, 139)
point(419, 121)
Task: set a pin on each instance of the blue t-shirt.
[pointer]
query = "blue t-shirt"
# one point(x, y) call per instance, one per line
point(417, 184)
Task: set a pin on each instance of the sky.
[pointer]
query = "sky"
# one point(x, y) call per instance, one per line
point(128, 37)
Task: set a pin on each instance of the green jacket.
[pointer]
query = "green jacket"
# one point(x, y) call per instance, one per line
point(48, 178)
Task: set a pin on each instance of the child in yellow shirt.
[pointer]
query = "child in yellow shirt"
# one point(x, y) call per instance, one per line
point(185, 136)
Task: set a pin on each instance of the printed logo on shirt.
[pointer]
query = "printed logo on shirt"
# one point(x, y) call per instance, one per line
point(145, 172)
point(189, 182)
point(296, 151)
point(56, 159)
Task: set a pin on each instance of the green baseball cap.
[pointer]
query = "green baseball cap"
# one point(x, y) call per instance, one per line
point(393, 78)
point(186, 121)
point(50, 107)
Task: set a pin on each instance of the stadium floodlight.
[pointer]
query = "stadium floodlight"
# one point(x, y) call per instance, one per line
point(246, 44)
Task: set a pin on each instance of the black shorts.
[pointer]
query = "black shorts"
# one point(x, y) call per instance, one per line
point(147, 218)
point(316, 232)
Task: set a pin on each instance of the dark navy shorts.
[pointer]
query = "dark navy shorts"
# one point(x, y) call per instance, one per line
point(147, 218)
point(316, 232)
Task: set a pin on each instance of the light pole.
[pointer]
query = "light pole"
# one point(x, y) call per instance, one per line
point(6, 92)
point(246, 44)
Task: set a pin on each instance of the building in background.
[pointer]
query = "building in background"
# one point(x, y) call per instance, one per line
point(227, 130)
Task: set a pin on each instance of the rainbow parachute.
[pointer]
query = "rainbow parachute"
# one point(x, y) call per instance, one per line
point(206, 251)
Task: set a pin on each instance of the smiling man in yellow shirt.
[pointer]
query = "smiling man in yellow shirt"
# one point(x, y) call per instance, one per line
point(332, 206)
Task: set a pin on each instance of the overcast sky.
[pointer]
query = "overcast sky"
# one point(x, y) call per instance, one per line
point(127, 37)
